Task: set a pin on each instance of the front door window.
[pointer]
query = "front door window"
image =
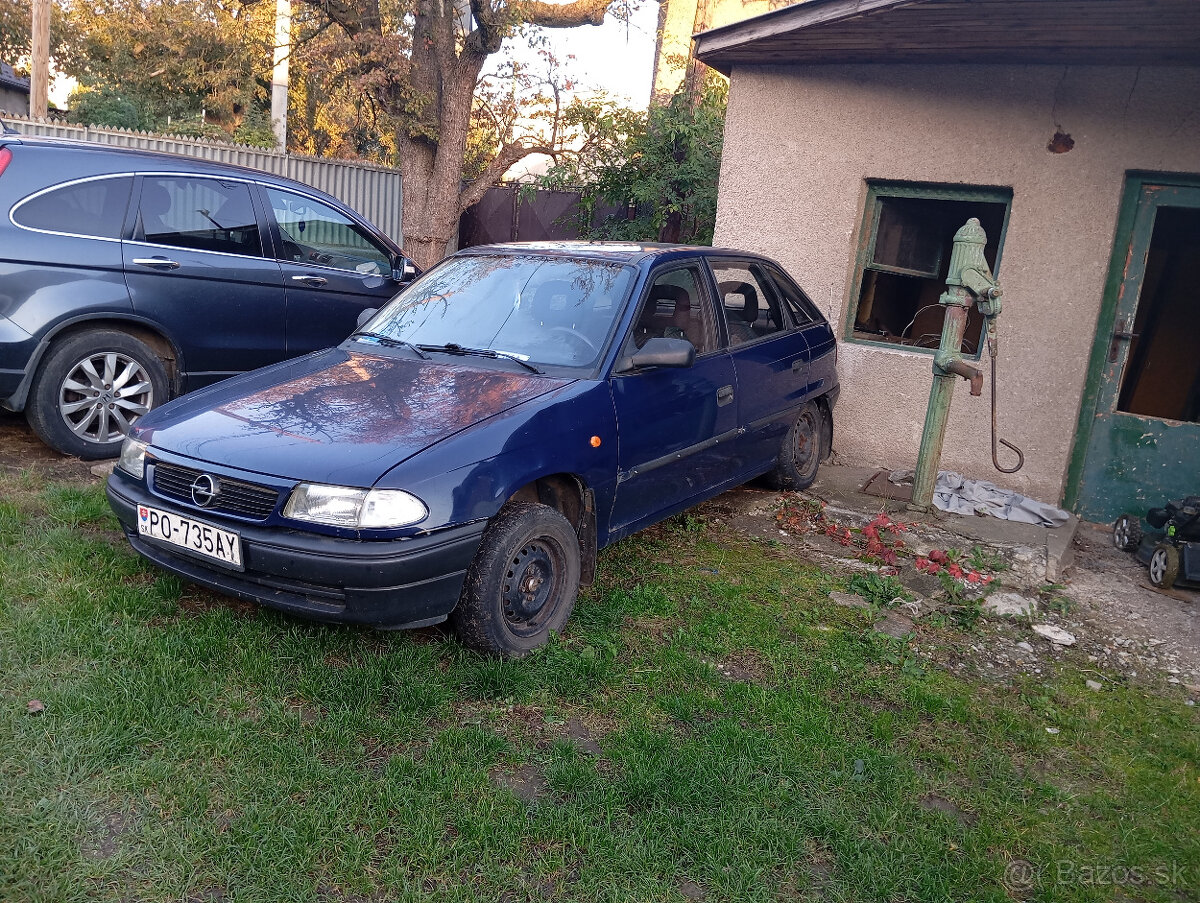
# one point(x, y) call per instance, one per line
point(315, 233)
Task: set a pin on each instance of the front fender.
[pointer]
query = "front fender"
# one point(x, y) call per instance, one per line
point(469, 477)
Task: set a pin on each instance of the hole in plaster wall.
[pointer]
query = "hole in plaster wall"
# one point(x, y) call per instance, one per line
point(1060, 143)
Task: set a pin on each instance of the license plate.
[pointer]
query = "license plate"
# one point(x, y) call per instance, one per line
point(193, 535)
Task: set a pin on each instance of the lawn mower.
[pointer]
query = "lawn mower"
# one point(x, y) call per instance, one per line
point(1171, 551)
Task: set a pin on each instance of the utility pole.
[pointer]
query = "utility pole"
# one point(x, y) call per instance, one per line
point(39, 89)
point(279, 74)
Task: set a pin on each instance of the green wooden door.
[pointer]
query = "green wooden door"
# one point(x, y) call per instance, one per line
point(1138, 442)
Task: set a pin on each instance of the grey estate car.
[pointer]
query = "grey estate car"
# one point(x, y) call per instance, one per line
point(129, 277)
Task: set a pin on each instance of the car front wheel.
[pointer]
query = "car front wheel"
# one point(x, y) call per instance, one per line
point(522, 585)
point(91, 388)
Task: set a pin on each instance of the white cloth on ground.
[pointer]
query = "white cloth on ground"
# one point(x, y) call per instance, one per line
point(954, 493)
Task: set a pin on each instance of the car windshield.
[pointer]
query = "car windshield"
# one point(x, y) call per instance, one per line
point(540, 310)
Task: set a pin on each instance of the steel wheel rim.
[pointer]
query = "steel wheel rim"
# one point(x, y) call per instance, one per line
point(804, 442)
point(1121, 533)
point(103, 394)
point(532, 584)
point(1158, 566)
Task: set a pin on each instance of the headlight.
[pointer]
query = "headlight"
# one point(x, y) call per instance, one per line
point(133, 457)
point(341, 506)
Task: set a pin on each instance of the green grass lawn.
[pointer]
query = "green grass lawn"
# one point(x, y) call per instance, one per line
point(710, 727)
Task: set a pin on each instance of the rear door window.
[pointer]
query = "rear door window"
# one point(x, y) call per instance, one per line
point(751, 312)
point(200, 214)
point(95, 208)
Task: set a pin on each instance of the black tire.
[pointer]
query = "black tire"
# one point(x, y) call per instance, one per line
point(523, 583)
point(801, 451)
point(1164, 565)
point(1127, 532)
point(70, 408)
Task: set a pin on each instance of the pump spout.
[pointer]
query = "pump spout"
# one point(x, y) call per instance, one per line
point(973, 375)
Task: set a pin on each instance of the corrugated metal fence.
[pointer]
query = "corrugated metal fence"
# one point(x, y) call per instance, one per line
point(372, 190)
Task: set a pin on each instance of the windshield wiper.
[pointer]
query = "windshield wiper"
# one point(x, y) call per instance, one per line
point(455, 348)
point(388, 342)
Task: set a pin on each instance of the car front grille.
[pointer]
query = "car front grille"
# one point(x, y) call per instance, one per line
point(235, 497)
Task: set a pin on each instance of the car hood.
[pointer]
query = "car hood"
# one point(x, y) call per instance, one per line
point(339, 417)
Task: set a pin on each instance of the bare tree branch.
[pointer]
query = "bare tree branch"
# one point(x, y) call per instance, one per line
point(558, 15)
point(508, 155)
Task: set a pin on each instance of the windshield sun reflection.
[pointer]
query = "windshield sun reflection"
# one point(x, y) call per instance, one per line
point(539, 310)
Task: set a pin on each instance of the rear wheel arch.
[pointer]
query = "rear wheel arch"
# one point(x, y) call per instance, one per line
point(91, 383)
point(167, 350)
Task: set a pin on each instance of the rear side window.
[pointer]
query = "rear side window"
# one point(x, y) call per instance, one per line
point(803, 310)
point(750, 312)
point(95, 208)
point(201, 214)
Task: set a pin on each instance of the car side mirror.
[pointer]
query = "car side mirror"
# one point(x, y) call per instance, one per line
point(659, 352)
point(365, 315)
point(404, 270)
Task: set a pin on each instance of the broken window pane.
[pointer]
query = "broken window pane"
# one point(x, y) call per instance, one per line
point(908, 259)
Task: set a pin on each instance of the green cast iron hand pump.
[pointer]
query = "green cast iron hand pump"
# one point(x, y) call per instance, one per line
point(969, 281)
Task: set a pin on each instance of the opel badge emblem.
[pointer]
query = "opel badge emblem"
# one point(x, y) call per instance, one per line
point(205, 489)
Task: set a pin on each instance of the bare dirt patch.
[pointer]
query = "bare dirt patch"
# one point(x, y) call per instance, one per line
point(525, 781)
point(23, 452)
point(935, 803)
point(104, 840)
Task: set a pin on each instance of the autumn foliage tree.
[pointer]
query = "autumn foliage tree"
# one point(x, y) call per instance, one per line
point(419, 63)
point(203, 66)
point(659, 167)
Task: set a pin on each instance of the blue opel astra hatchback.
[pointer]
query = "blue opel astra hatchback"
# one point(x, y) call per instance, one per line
point(471, 447)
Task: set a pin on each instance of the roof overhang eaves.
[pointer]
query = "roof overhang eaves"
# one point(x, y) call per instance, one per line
point(1122, 32)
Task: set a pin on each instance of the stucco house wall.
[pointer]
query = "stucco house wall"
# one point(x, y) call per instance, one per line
point(800, 143)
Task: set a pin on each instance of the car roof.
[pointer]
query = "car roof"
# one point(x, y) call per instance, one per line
point(615, 251)
point(161, 160)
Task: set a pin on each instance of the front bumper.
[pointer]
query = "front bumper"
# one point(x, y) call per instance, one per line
point(403, 583)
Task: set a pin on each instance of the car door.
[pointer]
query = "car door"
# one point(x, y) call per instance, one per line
point(195, 264)
point(769, 353)
point(676, 426)
point(333, 268)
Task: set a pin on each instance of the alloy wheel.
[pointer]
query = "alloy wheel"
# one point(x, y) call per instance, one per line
point(103, 394)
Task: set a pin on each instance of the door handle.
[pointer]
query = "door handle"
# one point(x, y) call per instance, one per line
point(157, 263)
point(797, 365)
point(724, 395)
point(314, 281)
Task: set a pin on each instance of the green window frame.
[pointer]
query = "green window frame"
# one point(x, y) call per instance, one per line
point(919, 258)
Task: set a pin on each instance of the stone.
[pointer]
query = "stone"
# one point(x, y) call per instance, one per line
point(1055, 635)
point(895, 624)
point(1009, 605)
point(849, 600)
point(1028, 647)
point(104, 469)
point(1094, 685)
